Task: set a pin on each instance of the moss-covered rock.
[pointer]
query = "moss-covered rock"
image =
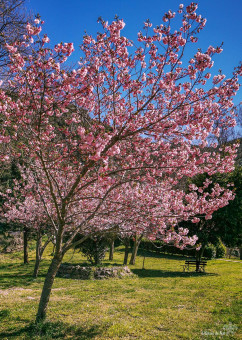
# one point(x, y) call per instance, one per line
point(68, 270)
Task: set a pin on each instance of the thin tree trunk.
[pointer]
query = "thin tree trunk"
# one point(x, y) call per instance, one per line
point(240, 253)
point(134, 253)
point(36, 267)
point(111, 250)
point(38, 254)
point(227, 252)
point(143, 267)
point(26, 255)
point(126, 251)
point(97, 261)
point(45, 296)
point(200, 252)
point(135, 249)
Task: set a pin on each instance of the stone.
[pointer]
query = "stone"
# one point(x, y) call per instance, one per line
point(84, 273)
point(11, 241)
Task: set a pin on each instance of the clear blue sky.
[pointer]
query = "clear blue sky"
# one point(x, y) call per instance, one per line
point(67, 20)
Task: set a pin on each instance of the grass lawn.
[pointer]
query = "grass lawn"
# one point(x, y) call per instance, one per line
point(160, 302)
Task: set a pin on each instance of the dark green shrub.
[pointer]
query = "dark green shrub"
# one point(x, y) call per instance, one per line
point(209, 251)
point(220, 250)
point(94, 248)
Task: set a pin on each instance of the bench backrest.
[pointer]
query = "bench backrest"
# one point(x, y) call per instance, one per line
point(195, 262)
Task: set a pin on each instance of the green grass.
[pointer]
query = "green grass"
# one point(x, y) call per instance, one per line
point(160, 302)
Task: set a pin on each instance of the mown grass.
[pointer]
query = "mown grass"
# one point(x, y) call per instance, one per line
point(160, 302)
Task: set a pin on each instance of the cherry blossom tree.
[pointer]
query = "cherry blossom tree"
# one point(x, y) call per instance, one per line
point(128, 125)
point(24, 206)
point(139, 209)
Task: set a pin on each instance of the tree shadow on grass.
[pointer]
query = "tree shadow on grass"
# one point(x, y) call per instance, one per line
point(149, 253)
point(17, 275)
point(158, 255)
point(4, 313)
point(165, 273)
point(53, 330)
point(105, 263)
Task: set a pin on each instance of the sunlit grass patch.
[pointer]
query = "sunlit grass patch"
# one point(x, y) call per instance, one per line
point(160, 302)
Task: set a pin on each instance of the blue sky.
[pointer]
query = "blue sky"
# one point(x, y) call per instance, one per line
point(67, 20)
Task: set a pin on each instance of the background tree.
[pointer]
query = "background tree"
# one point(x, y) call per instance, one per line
point(228, 219)
point(225, 223)
point(13, 20)
point(9, 174)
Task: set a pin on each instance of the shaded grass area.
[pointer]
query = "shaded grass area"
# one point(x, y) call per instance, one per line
point(160, 302)
point(52, 330)
point(164, 273)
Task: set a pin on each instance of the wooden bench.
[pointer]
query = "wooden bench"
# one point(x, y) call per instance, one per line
point(199, 265)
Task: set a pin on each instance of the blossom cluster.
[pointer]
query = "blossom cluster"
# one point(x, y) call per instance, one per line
point(112, 141)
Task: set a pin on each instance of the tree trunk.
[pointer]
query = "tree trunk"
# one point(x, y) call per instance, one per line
point(200, 252)
point(26, 255)
point(143, 267)
point(38, 254)
point(134, 253)
point(126, 251)
point(240, 253)
point(97, 261)
point(45, 295)
point(135, 249)
point(111, 250)
point(36, 267)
